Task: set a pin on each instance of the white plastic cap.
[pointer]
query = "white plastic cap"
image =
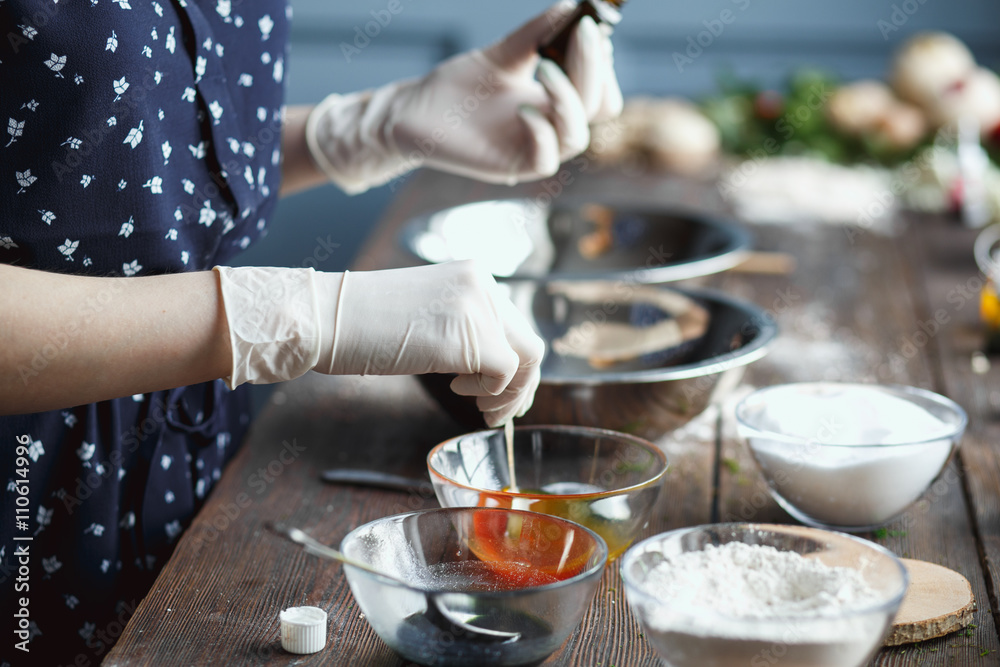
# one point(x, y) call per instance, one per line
point(303, 629)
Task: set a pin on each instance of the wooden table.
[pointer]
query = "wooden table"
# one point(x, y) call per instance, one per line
point(860, 306)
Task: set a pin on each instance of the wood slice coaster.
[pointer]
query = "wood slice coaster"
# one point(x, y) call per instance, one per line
point(939, 601)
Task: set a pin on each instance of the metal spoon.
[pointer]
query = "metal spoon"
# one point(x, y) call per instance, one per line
point(437, 613)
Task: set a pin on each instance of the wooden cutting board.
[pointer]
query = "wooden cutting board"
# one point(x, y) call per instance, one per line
point(939, 601)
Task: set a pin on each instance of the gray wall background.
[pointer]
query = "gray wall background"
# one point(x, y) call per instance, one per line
point(764, 40)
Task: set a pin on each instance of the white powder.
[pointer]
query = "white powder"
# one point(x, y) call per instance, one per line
point(737, 603)
point(860, 483)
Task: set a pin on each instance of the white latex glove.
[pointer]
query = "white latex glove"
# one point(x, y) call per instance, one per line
point(443, 318)
point(482, 114)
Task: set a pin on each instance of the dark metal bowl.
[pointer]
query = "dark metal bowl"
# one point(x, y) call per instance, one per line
point(648, 396)
point(522, 239)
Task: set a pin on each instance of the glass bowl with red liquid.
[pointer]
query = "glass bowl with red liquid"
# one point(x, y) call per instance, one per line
point(604, 480)
point(525, 576)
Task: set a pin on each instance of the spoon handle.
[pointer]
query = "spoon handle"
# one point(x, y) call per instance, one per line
point(317, 548)
point(376, 479)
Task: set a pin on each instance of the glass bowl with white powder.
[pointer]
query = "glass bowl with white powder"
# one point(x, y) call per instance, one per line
point(849, 456)
point(732, 595)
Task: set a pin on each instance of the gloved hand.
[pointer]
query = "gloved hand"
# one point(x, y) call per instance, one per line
point(443, 318)
point(482, 114)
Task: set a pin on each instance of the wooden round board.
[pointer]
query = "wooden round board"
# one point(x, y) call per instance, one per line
point(939, 601)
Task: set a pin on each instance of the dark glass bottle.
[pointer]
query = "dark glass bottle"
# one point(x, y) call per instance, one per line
point(602, 11)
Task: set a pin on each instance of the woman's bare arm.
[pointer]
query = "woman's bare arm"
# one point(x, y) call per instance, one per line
point(69, 340)
point(298, 170)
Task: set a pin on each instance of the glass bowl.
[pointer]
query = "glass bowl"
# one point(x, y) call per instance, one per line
point(693, 634)
point(849, 456)
point(505, 571)
point(604, 480)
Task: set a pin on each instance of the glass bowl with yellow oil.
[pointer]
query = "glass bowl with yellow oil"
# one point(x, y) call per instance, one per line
point(604, 480)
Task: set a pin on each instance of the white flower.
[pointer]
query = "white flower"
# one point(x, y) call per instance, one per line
point(71, 601)
point(24, 179)
point(56, 63)
point(199, 68)
point(122, 3)
point(77, 79)
point(173, 529)
point(146, 51)
point(127, 227)
point(188, 187)
point(131, 268)
point(28, 31)
point(155, 185)
point(223, 7)
point(14, 129)
point(279, 69)
point(198, 152)
point(112, 43)
point(266, 24)
point(166, 149)
point(128, 520)
point(171, 234)
point(51, 564)
point(158, 9)
point(134, 137)
point(168, 497)
point(165, 462)
point(72, 142)
point(7, 243)
point(86, 179)
point(35, 450)
point(47, 217)
point(207, 215)
point(86, 451)
point(122, 183)
point(215, 109)
point(44, 517)
point(68, 248)
point(95, 528)
point(171, 42)
point(112, 121)
point(120, 86)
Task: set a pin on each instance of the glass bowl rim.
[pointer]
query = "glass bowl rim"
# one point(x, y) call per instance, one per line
point(601, 547)
point(894, 601)
point(899, 390)
point(587, 430)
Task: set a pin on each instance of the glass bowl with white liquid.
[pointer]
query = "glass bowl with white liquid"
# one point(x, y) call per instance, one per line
point(738, 594)
point(849, 456)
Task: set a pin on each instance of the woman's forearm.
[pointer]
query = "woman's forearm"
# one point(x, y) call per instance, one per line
point(298, 169)
point(69, 340)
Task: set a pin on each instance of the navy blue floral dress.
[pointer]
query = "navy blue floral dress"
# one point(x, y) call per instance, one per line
point(140, 137)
